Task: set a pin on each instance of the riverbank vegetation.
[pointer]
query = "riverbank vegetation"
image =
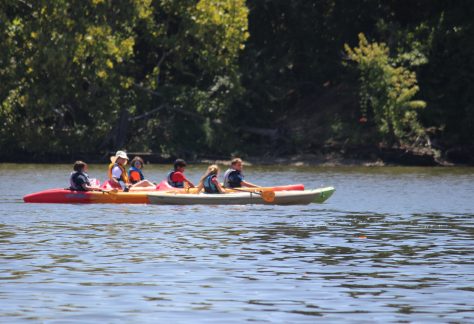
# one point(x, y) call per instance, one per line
point(369, 79)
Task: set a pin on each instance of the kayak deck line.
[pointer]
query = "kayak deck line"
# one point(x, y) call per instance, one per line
point(164, 186)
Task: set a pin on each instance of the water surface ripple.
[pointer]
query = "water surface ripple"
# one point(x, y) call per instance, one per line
point(392, 245)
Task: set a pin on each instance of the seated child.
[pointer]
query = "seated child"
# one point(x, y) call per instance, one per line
point(135, 174)
point(177, 178)
point(209, 181)
point(79, 179)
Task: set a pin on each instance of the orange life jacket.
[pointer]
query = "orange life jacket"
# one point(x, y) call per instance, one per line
point(123, 176)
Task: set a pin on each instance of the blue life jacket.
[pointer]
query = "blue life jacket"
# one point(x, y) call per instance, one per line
point(209, 186)
point(233, 179)
point(76, 183)
point(172, 183)
point(132, 168)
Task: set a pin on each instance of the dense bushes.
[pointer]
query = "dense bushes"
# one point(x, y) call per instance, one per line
point(387, 89)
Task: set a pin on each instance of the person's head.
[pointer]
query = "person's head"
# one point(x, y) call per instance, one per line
point(236, 164)
point(80, 166)
point(120, 158)
point(179, 165)
point(137, 162)
point(211, 170)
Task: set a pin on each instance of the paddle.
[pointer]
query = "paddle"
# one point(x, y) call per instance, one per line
point(267, 195)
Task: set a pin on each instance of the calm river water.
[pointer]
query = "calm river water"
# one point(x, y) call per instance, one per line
point(391, 245)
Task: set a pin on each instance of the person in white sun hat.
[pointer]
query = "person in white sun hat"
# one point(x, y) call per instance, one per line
point(118, 177)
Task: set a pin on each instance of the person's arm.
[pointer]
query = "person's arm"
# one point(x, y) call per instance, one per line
point(199, 188)
point(87, 187)
point(190, 184)
point(218, 185)
point(116, 175)
point(180, 177)
point(122, 184)
point(125, 186)
point(239, 178)
point(248, 184)
point(84, 182)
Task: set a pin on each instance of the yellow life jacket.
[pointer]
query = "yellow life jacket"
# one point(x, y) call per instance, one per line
point(123, 176)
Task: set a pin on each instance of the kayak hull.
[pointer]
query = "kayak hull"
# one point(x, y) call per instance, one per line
point(242, 198)
point(65, 196)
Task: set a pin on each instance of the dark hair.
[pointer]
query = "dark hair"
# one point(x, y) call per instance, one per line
point(179, 163)
point(79, 166)
point(137, 159)
point(235, 161)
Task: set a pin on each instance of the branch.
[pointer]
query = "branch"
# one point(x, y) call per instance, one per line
point(148, 113)
point(267, 132)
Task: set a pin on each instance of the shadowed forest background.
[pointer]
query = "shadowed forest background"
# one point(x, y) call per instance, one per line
point(368, 79)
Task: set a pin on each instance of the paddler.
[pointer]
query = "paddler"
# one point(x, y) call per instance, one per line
point(234, 178)
point(176, 178)
point(209, 181)
point(79, 179)
point(118, 177)
point(135, 174)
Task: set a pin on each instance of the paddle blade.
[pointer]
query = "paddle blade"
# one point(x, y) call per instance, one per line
point(268, 196)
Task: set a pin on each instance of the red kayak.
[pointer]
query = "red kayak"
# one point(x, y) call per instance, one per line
point(66, 196)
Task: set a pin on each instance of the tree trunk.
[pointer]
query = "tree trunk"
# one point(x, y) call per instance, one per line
point(121, 129)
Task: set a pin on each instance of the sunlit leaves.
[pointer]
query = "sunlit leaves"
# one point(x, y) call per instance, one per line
point(228, 21)
point(67, 66)
point(387, 90)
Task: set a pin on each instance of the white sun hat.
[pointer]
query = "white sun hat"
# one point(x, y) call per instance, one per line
point(120, 154)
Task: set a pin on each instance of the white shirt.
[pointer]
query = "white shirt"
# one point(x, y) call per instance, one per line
point(116, 172)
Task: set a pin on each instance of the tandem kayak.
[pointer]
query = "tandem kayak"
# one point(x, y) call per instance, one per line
point(242, 198)
point(66, 196)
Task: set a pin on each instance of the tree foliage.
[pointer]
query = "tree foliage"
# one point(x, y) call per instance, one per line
point(387, 89)
point(77, 74)
point(192, 77)
point(292, 65)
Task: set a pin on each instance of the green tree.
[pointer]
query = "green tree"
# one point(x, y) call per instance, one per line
point(387, 90)
point(83, 76)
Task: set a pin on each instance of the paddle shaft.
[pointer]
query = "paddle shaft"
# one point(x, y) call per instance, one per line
point(268, 195)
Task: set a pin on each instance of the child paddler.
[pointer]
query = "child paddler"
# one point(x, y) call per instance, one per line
point(135, 174)
point(234, 178)
point(79, 180)
point(209, 181)
point(176, 178)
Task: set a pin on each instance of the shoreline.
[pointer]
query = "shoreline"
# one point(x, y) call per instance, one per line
point(331, 158)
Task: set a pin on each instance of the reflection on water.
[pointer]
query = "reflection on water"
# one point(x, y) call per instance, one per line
point(390, 245)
